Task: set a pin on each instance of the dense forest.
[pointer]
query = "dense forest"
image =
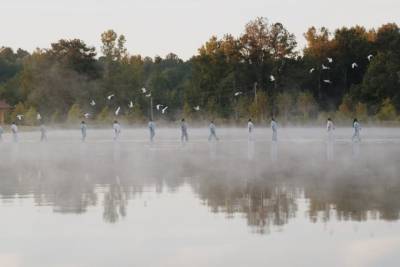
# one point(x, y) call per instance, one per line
point(351, 72)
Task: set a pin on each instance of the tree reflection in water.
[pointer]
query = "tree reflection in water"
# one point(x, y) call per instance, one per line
point(267, 194)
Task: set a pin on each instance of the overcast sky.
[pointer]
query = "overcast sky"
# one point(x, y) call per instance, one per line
point(157, 27)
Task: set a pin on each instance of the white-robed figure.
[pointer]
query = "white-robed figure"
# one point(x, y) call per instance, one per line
point(330, 127)
point(250, 129)
point(152, 129)
point(213, 132)
point(184, 133)
point(14, 131)
point(116, 130)
point(357, 130)
point(274, 128)
point(83, 131)
point(43, 133)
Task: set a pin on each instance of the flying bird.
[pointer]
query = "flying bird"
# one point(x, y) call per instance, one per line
point(38, 117)
point(312, 70)
point(327, 81)
point(158, 106)
point(354, 65)
point(370, 57)
point(148, 95)
point(271, 78)
point(164, 109)
point(130, 104)
point(86, 115)
point(144, 90)
point(117, 111)
point(110, 97)
point(197, 108)
point(325, 67)
point(238, 93)
point(92, 103)
point(330, 60)
point(19, 116)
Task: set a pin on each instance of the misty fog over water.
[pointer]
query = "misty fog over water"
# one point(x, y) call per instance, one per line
point(303, 201)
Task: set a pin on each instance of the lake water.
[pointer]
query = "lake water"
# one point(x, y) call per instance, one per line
point(301, 202)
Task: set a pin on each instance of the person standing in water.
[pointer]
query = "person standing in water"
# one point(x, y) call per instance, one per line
point(152, 129)
point(250, 128)
point(184, 134)
point(357, 129)
point(213, 134)
point(83, 130)
point(330, 127)
point(274, 128)
point(14, 130)
point(43, 132)
point(116, 130)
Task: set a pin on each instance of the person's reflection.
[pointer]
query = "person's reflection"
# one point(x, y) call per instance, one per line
point(274, 150)
point(250, 149)
point(14, 153)
point(356, 149)
point(212, 146)
point(114, 202)
point(116, 152)
point(330, 144)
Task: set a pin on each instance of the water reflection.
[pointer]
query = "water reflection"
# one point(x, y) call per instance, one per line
point(266, 194)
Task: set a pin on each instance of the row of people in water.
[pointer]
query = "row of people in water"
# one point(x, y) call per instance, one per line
point(116, 128)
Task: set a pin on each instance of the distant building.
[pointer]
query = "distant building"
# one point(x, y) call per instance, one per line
point(4, 108)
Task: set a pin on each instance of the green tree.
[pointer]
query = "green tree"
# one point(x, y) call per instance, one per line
point(361, 111)
point(187, 111)
point(306, 105)
point(387, 111)
point(345, 110)
point(19, 109)
point(74, 114)
point(31, 117)
point(75, 54)
point(57, 117)
point(135, 115)
point(285, 105)
point(259, 108)
point(105, 115)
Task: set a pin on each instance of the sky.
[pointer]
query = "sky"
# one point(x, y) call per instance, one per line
point(158, 27)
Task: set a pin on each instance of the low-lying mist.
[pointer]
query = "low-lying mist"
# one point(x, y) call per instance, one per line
point(259, 178)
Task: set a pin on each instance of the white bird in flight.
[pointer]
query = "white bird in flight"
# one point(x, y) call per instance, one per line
point(148, 95)
point(238, 93)
point(271, 78)
point(354, 65)
point(164, 109)
point(92, 103)
point(330, 60)
point(197, 108)
point(19, 116)
point(130, 104)
point(325, 67)
point(117, 111)
point(110, 97)
point(158, 106)
point(86, 115)
point(312, 70)
point(144, 90)
point(38, 117)
point(370, 57)
point(327, 81)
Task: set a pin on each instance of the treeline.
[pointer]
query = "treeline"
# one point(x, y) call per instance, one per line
point(261, 73)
